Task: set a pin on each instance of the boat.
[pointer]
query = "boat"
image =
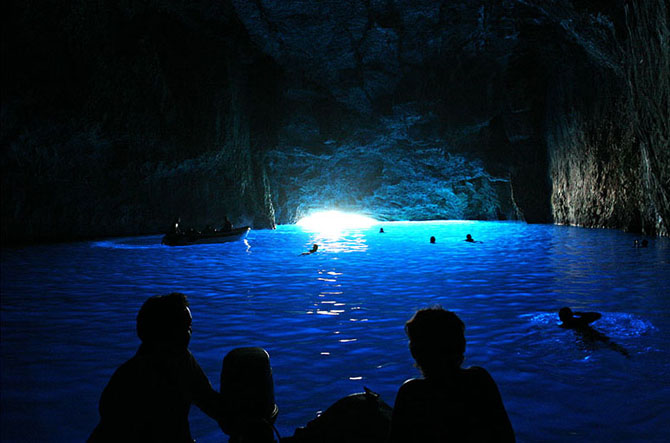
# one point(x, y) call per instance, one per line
point(203, 238)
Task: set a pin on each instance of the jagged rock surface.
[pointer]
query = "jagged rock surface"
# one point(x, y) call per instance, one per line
point(392, 176)
point(118, 117)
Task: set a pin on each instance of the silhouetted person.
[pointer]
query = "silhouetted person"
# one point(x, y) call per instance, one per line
point(148, 398)
point(580, 322)
point(315, 247)
point(381, 230)
point(227, 225)
point(469, 239)
point(575, 319)
point(175, 229)
point(432, 239)
point(450, 403)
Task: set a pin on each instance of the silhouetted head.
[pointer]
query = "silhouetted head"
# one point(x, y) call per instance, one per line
point(468, 238)
point(165, 320)
point(432, 239)
point(565, 314)
point(436, 340)
point(381, 230)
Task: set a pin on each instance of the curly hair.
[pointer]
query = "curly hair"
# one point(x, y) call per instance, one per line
point(164, 318)
point(437, 339)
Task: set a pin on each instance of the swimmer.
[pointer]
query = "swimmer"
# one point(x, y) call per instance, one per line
point(432, 239)
point(469, 239)
point(641, 244)
point(381, 230)
point(586, 335)
point(311, 251)
point(574, 319)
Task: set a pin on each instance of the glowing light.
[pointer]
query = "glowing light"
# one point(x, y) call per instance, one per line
point(335, 221)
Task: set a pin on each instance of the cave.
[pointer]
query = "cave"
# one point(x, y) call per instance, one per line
point(118, 118)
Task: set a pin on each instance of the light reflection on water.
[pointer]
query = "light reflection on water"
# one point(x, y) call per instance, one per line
point(333, 321)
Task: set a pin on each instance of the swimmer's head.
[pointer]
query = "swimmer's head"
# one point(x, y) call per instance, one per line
point(469, 237)
point(565, 314)
point(432, 239)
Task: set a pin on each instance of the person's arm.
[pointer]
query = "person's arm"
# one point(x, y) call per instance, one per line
point(500, 426)
point(588, 317)
point(204, 396)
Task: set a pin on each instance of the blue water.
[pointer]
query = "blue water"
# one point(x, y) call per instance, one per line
point(333, 321)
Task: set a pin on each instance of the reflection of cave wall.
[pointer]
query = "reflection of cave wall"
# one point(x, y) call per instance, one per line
point(116, 119)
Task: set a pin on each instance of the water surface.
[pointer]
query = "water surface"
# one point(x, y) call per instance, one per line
point(333, 321)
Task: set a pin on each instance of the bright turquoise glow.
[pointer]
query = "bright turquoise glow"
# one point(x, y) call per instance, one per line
point(333, 222)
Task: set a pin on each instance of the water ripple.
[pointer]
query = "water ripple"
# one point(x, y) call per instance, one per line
point(333, 321)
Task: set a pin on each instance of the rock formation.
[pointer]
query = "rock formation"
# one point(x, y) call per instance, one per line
point(116, 118)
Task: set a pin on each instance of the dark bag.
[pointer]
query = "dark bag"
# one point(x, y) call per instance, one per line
point(357, 418)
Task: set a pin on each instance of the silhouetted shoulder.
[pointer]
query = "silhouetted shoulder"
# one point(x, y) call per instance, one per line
point(414, 389)
point(479, 381)
point(467, 407)
point(477, 374)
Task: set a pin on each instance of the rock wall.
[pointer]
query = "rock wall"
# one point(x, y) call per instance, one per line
point(395, 173)
point(565, 102)
point(455, 75)
point(118, 117)
point(608, 126)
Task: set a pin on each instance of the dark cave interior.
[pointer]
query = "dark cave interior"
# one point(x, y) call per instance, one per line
point(118, 117)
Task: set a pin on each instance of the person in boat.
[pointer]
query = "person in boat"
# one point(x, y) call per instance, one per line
point(643, 244)
point(587, 336)
point(227, 225)
point(175, 229)
point(148, 397)
point(315, 247)
point(449, 403)
point(432, 239)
